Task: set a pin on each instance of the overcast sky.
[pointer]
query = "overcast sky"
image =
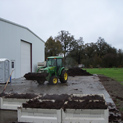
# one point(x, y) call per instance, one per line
point(89, 19)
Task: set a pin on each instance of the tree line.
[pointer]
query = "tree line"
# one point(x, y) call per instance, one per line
point(99, 54)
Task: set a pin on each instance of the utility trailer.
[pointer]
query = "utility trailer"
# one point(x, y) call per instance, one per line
point(66, 113)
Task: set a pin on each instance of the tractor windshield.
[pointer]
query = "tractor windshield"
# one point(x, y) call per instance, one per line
point(51, 62)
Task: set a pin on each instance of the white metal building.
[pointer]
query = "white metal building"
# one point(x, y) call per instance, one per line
point(21, 46)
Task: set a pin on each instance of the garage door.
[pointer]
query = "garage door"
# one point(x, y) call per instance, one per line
point(25, 58)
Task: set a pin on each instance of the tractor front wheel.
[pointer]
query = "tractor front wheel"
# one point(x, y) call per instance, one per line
point(64, 77)
point(53, 80)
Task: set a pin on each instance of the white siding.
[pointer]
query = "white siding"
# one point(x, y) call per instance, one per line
point(10, 45)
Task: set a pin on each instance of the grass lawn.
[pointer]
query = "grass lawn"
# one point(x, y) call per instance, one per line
point(115, 73)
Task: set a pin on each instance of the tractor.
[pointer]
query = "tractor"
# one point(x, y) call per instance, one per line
point(53, 71)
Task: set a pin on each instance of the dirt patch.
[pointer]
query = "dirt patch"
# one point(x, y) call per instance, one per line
point(76, 71)
point(114, 115)
point(3, 94)
point(21, 96)
point(115, 89)
point(86, 102)
point(47, 102)
point(88, 97)
point(43, 104)
point(67, 101)
point(36, 76)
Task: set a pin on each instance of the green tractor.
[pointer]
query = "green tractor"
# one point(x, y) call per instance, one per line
point(53, 71)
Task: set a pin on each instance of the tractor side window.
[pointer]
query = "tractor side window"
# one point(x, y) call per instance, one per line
point(59, 62)
point(49, 63)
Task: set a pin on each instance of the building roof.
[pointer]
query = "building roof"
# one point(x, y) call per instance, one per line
point(1, 19)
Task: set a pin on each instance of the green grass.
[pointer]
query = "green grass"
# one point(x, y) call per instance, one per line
point(114, 73)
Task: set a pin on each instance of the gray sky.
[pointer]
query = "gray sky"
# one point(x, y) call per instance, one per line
point(89, 19)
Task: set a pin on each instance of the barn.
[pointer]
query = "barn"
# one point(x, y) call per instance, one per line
point(22, 47)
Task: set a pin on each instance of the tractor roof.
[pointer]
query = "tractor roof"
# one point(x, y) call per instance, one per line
point(57, 57)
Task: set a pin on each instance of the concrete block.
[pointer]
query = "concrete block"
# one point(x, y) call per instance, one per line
point(85, 116)
point(11, 103)
point(39, 115)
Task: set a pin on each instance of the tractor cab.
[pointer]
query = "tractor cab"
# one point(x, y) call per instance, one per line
point(54, 61)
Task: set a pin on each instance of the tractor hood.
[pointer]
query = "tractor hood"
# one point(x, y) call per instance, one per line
point(47, 69)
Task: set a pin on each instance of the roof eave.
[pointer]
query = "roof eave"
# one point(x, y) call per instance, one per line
point(1, 19)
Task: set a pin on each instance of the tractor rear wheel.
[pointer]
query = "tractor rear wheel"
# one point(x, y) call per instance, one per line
point(64, 77)
point(53, 80)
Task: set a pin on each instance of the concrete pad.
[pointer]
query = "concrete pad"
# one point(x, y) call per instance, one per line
point(75, 85)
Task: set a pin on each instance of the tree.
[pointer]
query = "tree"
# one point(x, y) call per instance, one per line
point(90, 49)
point(52, 47)
point(91, 54)
point(106, 53)
point(120, 58)
point(109, 60)
point(102, 47)
point(77, 50)
point(99, 54)
point(66, 40)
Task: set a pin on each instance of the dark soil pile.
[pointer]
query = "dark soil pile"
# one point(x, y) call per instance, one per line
point(86, 102)
point(67, 102)
point(21, 96)
point(36, 76)
point(88, 97)
point(114, 115)
point(3, 94)
point(115, 89)
point(43, 104)
point(47, 102)
point(76, 71)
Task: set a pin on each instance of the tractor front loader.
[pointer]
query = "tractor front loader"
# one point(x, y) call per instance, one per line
point(53, 71)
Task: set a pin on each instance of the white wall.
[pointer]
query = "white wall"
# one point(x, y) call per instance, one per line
point(10, 45)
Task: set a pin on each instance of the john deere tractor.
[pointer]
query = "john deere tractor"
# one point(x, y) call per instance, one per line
point(53, 71)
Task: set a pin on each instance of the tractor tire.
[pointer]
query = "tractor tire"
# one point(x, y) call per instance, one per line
point(64, 77)
point(53, 80)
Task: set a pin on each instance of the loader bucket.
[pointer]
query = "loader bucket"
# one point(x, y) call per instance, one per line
point(36, 76)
